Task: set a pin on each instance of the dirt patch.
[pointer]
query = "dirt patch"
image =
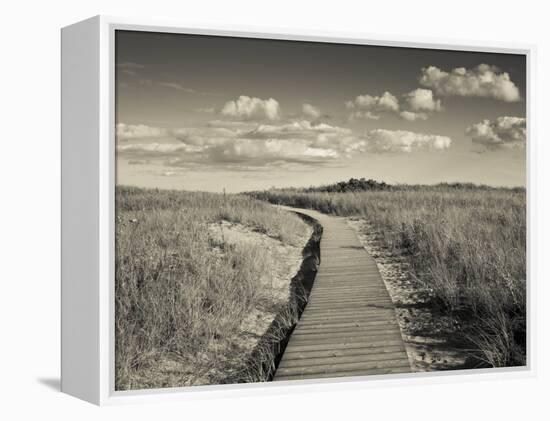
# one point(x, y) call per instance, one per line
point(427, 333)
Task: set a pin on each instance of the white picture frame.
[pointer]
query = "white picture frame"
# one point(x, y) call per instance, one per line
point(88, 181)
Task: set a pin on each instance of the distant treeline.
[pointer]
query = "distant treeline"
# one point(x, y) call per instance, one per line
point(352, 185)
point(362, 184)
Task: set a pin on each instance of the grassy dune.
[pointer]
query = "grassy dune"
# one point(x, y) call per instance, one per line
point(467, 245)
point(182, 294)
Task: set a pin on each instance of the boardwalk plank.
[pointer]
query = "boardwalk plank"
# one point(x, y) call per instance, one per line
point(304, 356)
point(354, 328)
point(385, 311)
point(339, 324)
point(343, 338)
point(354, 307)
point(361, 358)
point(356, 373)
point(338, 364)
point(335, 313)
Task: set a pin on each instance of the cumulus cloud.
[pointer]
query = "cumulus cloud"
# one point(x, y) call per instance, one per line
point(381, 140)
point(302, 128)
point(420, 103)
point(240, 146)
point(503, 132)
point(255, 152)
point(243, 125)
point(311, 111)
point(341, 141)
point(370, 107)
point(299, 142)
point(481, 81)
point(250, 108)
point(422, 100)
point(137, 131)
point(251, 152)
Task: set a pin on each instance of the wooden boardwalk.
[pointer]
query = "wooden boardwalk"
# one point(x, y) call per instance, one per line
point(348, 327)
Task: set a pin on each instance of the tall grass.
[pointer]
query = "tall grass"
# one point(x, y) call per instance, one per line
point(467, 245)
point(180, 295)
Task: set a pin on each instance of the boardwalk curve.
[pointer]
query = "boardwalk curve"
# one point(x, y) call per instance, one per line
point(348, 327)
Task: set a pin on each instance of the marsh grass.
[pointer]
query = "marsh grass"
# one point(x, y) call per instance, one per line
point(181, 294)
point(467, 245)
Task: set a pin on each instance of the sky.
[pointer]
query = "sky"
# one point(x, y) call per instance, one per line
point(212, 113)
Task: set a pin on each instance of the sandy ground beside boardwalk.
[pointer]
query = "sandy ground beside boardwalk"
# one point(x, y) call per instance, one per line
point(229, 360)
point(427, 334)
point(284, 263)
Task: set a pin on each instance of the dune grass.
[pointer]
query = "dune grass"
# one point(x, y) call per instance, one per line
point(467, 245)
point(181, 295)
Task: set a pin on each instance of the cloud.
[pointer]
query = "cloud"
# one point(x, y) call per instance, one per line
point(480, 81)
point(171, 173)
point(503, 132)
point(419, 102)
point(137, 131)
point(146, 82)
point(249, 108)
point(368, 115)
point(255, 152)
point(130, 65)
point(381, 140)
point(300, 142)
point(422, 100)
point(176, 86)
point(171, 85)
point(129, 68)
point(156, 149)
point(412, 116)
point(232, 150)
point(129, 72)
point(311, 111)
point(208, 110)
point(341, 141)
point(238, 146)
point(302, 128)
point(369, 106)
point(232, 124)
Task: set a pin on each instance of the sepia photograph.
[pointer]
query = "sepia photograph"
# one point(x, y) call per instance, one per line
point(292, 210)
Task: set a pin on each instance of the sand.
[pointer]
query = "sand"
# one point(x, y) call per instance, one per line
point(427, 334)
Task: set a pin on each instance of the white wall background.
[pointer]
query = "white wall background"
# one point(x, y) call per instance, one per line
point(29, 231)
